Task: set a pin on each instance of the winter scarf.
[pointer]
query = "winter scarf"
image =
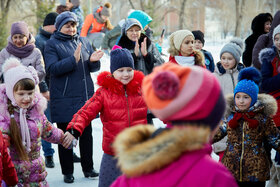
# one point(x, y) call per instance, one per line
point(22, 52)
point(247, 116)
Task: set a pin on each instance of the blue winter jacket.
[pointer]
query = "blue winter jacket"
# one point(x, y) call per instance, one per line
point(70, 82)
point(209, 61)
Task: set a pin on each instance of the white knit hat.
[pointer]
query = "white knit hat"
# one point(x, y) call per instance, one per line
point(276, 31)
point(176, 38)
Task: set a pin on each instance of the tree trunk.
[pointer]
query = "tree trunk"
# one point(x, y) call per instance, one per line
point(239, 12)
point(182, 14)
point(131, 4)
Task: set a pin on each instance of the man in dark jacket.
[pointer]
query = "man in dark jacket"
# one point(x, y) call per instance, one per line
point(45, 33)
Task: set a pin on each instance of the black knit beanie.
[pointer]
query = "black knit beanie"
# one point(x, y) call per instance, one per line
point(50, 19)
point(120, 58)
point(198, 35)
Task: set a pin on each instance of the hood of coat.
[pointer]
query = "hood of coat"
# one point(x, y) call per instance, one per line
point(125, 42)
point(39, 103)
point(106, 80)
point(258, 22)
point(220, 69)
point(266, 55)
point(275, 23)
point(140, 153)
point(265, 104)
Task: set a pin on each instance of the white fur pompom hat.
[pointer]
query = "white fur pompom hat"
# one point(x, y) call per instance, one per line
point(13, 72)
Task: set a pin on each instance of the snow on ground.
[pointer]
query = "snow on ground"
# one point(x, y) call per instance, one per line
point(55, 177)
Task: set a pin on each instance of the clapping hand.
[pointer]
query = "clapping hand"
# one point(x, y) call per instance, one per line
point(144, 47)
point(77, 53)
point(96, 56)
point(136, 48)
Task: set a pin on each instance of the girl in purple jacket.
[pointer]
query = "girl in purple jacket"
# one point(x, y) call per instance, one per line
point(23, 123)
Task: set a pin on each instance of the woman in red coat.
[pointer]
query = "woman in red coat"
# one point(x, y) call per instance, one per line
point(7, 170)
point(120, 103)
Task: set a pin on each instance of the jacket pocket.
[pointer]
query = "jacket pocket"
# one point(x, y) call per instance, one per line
point(65, 86)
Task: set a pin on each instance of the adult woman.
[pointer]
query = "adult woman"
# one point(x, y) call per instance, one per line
point(69, 61)
point(21, 45)
point(182, 49)
point(144, 52)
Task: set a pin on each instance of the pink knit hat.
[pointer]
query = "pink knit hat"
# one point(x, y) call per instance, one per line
point(13, 72)
point(177, 94)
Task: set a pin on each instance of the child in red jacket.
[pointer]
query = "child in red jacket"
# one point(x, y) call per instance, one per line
point(7, 172)
point(120, 103)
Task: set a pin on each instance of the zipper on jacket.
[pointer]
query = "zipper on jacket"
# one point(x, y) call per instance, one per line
point(126, 96)
point(242, 151)
point(85, 80)
point(65, 86)
point(232, 79)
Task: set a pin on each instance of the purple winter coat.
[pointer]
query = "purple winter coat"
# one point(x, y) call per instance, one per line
point(176, 157)
point(30, 172)
point(264, 41)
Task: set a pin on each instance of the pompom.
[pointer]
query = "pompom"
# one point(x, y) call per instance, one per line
point(108, 5)
point(166, 85)
point(250, 73)
point(237, 41)
point(10, 63)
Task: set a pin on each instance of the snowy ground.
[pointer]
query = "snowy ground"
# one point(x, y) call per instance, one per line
point(55, 178)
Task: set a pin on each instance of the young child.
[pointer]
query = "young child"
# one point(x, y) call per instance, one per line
point(269, 58)
point(182, 50)
point(198, 45)
point(23, 122)
point(249, 125)
point(227, 71)
point(120, 103)
point(181, 154)
point(7, 172)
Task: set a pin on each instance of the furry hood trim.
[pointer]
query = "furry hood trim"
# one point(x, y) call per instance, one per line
point(265, 103)
point(106, 80)
point(138, 153)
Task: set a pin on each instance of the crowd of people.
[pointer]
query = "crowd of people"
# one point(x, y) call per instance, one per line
point(230, 106)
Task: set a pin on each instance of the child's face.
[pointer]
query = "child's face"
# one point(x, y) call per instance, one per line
point(277, 41)
point(228, 61)
point(24, 98)
point(242, 100)
point(198, 44)
point(187, 45)
point(124, 75)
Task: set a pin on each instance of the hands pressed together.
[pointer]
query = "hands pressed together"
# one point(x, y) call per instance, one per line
point(143, 48)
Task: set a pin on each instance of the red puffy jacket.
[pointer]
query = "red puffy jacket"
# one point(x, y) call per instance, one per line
point(119, 108)
point(7, 169)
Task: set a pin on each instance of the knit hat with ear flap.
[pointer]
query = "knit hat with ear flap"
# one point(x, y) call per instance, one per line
point(13, 72)
point(176, 38)
point(106, 10)
point(234, 47)
point(129, 23)
point(178, 94)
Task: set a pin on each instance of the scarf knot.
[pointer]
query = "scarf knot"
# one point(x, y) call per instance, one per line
point(247, 116)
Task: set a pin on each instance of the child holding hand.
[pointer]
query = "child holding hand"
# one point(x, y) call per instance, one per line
point(121, 105)
point(23, 123)
point(248, 126)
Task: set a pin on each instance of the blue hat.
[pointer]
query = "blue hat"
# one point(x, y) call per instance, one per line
point(120, 58)
point(248, 82)
point(63, 18)
point(141, 16)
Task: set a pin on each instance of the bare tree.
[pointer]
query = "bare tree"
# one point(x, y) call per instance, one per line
point(182, 14)
point(239, 13)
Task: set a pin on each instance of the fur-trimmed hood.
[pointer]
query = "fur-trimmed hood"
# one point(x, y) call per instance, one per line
point(139, 153)
point(106, 80)
point(266, 55)
point(265, 103)
point(39, 102)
